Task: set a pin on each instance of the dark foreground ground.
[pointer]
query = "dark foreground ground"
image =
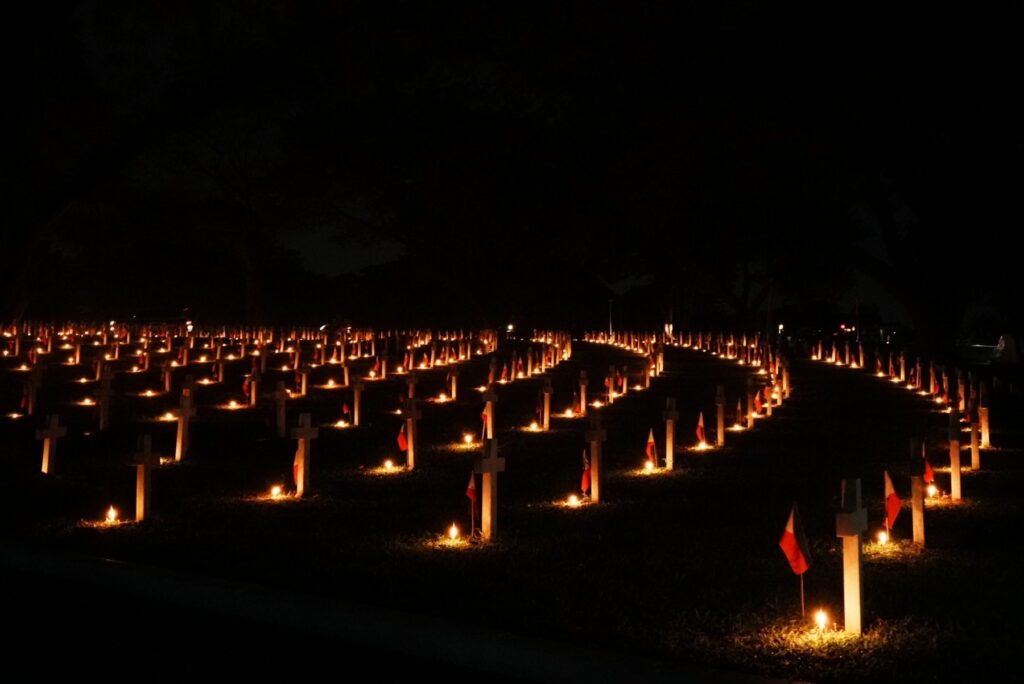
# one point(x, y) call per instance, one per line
point(675, 568)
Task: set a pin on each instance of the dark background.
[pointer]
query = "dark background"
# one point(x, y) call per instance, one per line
point(419, 163)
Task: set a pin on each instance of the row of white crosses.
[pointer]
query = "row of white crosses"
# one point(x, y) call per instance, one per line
point(971, 399)
point(35, 378)
point(965, 392)
point(851, 523)
point(490, 463)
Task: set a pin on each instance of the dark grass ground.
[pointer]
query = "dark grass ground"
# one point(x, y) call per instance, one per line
point(678, 566)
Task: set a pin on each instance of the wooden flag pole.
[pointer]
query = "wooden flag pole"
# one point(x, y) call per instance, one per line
point(803, 610)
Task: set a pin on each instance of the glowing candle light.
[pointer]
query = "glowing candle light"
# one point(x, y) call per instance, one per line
point(168, 417)
point(569, 413)
point(573, 501)
point(111, 517)
point(330, 382)
point(453, 532)
point(232, 404)
point(883, 537)
point(341, 424)
point(389, 465)
point(932, 491)
point(276, 492)
point(534, 427)
point(87, 402)
point(467, 438)
point(648, 466)
point(821, 619)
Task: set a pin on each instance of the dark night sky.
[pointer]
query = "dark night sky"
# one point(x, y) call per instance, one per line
point(358, 159)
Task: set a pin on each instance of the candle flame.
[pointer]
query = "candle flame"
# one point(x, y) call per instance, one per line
point(821, 619)
point(453, 532)
point(275, 492)
point(111, 515)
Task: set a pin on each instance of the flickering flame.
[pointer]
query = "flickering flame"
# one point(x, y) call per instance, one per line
point(174, 364)
point(569, 413)
point(573, 501)
point(276, 492)
point(106, 357)
point(702, 446)
point(83, 380)
point(520, 374)
point(231, 357)
point(206, 381)
point(883, 537)
point(149, 393)
point(821, 619)
point(442, 397)
point(135, 369)
point(111, 516)
point(533, 426)
point(400, 369)
point(467, 438)
point(938, 400)
point(87, 402)
point(597, 403)
point(637, 388)
point(285, 367)
point(453, 532)
point(341, 424)
point(423, 364)
point(168, 417)
point(330, 382)
point(14, 416)
point(373, 373)
point(232, 404)
point(648, 466)
point(202, 359)
point(932, 491)
point(389, 465)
